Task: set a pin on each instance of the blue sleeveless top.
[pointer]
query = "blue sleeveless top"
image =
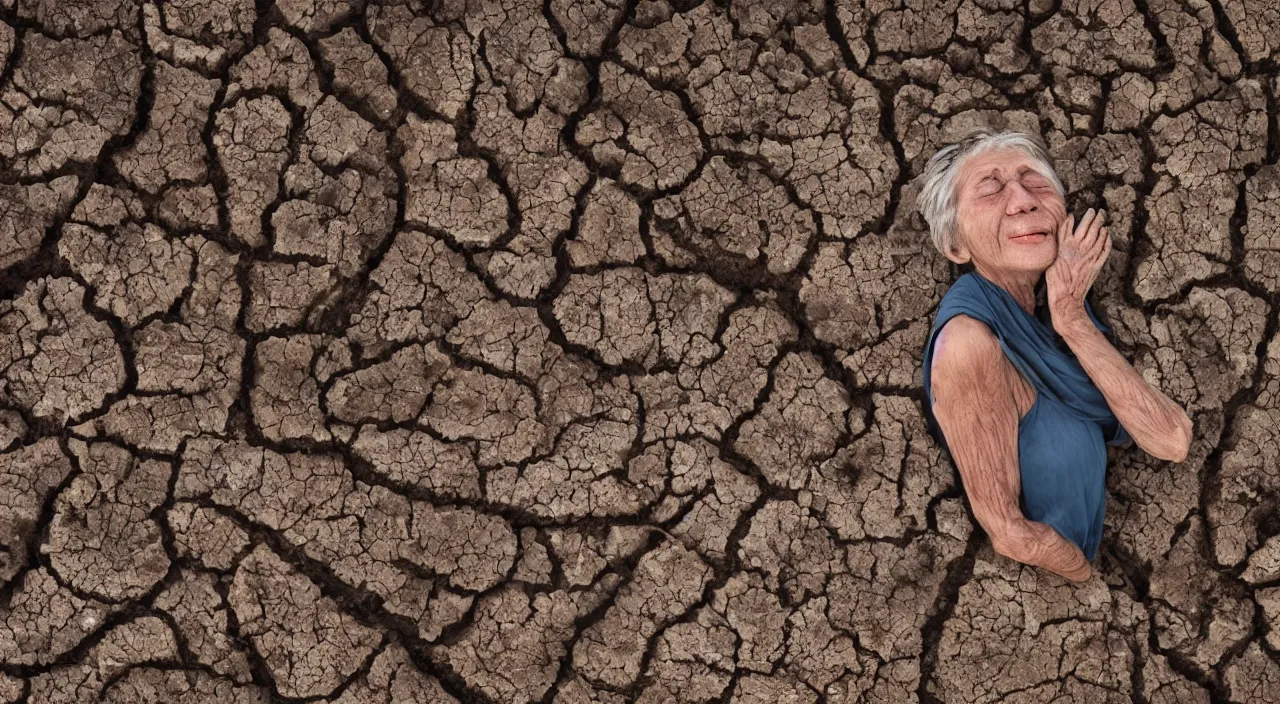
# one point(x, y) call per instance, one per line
point(1062, 439)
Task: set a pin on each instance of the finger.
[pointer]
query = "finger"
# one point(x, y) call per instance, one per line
point(1089, 238)
point(1100, 260)
point(1065, 227)
point(1102, 248)
point(1085, 220)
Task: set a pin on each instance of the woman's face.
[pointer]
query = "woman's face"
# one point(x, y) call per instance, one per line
point(1002, 198)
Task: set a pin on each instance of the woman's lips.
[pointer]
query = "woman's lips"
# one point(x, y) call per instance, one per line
point(1031, 238)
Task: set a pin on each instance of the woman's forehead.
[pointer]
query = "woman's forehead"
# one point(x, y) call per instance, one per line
point(999, 159)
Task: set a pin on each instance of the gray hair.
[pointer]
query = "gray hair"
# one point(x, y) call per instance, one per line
point(937, 198)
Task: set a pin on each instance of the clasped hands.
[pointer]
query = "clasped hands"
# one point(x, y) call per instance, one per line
point(1082, 250)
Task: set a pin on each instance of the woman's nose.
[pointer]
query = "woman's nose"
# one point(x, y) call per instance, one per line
point(1020, 199)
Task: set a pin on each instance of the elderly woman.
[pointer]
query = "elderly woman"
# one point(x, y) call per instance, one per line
point(1028, 396)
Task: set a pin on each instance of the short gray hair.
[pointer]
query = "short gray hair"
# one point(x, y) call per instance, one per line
point(937, 198)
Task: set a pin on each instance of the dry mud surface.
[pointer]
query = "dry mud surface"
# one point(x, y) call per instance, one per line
point(568, 351)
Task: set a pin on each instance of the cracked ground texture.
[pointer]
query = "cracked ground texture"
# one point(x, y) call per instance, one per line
point(568, 352)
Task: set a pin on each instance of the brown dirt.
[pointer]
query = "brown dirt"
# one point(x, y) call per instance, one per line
point(567, 352)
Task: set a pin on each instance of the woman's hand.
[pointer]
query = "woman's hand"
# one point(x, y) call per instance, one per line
point(1081, 253)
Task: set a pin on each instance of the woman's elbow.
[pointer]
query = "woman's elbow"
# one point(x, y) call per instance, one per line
point(1178, 445)
point(1012, 549)
point(1014, 542)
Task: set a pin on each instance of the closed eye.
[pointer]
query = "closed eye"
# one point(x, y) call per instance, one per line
point(1035, 180)
point(989, 187)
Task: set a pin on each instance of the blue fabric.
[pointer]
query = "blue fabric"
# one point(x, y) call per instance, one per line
point(1062, 439)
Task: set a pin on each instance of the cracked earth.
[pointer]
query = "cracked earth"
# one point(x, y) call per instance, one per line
point(569, 351)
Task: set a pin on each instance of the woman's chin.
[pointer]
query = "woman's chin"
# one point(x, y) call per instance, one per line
point(1039, 261)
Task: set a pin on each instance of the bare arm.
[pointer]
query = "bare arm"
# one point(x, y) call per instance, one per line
point(1152, 419)
point(1155, 422)
point(975, 407)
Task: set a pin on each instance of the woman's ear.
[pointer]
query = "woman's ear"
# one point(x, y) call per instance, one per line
point(958, 254)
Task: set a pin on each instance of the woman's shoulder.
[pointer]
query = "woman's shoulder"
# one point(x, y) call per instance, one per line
point(964, 339)
point(967, 351)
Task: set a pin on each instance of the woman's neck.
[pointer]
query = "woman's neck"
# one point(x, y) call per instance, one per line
point(1020, 284)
